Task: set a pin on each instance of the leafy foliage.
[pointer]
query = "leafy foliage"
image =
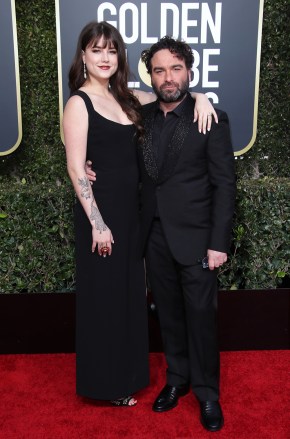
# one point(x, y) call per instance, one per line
point(36, 246)
point(37, 251)
point(260, 256)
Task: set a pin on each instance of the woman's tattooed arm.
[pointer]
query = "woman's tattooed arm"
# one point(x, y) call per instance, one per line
point(97, 218)
point(85, 187)
point(95, 215)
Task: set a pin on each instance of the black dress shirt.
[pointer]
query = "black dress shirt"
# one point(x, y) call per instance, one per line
point(164, 127)
point(163, 130)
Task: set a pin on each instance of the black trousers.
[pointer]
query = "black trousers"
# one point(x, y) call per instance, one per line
point(186, 301)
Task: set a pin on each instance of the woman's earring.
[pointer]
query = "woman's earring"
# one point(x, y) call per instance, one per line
point(85, 71)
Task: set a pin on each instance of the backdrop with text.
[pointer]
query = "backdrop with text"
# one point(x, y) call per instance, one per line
point(10, 104)
point(225, 37)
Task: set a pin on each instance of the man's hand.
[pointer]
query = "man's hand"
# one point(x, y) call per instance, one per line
point(216, 259)
point(90, 173)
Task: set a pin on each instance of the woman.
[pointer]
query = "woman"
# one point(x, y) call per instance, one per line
point(102, 123)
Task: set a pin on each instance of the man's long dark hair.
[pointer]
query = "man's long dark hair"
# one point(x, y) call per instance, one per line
point(181, 49)
point(90, 36)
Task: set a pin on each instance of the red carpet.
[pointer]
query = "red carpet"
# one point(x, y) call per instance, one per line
point(38, 401)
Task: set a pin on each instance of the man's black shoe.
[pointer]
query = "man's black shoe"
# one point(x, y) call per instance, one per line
point(211, 415)
point(168, 398)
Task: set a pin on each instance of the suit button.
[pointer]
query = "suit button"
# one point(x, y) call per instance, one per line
point(158, 188)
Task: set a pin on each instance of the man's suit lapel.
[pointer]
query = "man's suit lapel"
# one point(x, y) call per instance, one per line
point(147, 147)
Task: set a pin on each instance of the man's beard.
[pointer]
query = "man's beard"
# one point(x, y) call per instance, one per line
point(169, 96)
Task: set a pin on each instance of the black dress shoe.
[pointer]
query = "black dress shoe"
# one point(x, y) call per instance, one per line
point(211, 415)
point(168, 397)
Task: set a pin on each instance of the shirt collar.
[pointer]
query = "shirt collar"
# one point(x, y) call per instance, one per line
point(178, 110)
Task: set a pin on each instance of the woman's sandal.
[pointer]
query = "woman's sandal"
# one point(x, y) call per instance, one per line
point(124, 402)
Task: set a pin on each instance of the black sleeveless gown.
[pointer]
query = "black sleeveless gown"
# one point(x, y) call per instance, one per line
point(111, 313)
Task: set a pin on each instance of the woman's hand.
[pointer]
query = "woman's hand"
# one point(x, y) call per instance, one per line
point(102, 241)
point(203, 112)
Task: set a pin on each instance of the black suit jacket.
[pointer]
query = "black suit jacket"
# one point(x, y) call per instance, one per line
point(195, 189)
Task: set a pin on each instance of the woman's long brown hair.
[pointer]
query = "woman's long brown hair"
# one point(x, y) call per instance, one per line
point(90, 35)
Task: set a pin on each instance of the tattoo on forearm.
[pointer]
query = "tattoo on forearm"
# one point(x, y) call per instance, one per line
point(85, 187)
point(97, 218)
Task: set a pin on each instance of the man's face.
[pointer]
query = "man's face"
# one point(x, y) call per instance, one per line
point(169, 77)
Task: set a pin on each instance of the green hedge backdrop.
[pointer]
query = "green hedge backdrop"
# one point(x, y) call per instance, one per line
point(36, 198)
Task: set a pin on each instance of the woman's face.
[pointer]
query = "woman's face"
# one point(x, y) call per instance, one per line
point(101, 62)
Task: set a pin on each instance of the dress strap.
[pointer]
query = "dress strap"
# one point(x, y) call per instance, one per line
point(86, 99)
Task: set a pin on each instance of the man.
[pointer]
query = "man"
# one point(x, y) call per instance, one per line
point(188, 192)
point(187, 204)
